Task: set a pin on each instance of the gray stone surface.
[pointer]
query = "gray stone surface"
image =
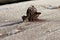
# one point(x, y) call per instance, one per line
point(48, 28)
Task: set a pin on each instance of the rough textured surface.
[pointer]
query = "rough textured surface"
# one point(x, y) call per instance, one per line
point(47, 28)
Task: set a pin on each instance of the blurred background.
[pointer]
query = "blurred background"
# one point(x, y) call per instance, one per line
point(2, 2)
